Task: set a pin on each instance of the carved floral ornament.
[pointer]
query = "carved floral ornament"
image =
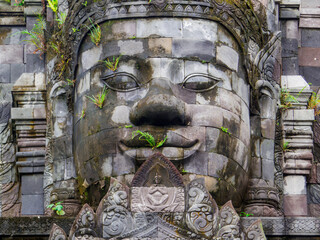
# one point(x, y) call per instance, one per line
point(245, 19)
point(161, 212)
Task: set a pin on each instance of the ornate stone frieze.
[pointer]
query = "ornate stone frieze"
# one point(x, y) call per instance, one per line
point(148, 216)
point(157, 199)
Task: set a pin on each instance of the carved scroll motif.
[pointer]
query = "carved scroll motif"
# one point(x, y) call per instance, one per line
point(229, 222)
point(57, 233)
point(255, 231)
point(116, 219)
point(84, 224)
point(202, 214)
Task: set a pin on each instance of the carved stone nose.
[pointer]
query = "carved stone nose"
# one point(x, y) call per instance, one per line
point(159, 106)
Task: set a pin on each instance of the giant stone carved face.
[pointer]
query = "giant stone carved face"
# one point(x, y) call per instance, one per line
point(177, 77)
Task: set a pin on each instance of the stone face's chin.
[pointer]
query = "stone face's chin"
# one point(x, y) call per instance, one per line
point(176, 147)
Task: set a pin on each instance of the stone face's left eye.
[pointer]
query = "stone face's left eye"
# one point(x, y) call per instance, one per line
point(199, 82)
point(121, 81)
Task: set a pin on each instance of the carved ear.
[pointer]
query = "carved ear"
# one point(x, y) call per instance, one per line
point(84, 224)
point(255, 231)
point(57, 233)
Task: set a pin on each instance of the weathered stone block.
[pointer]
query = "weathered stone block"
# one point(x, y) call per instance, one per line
point(290, 66)
point(310, 4)
point(309, 57)
point(309, 38)
point(267, 149)
point(11, 54)
point(295, 205)
point(197, 163)
point(122, 165)
point(256, 170)
point(292, 29)
point(90, 57)
point(294, 82)
point(17, 69)
point(5, 73)
point(204, 50)
point(34, 63)
point(228, 56)
point(294, 184)
point(268, 128)
point(32, 184)
point(311, 74)
point(32, 204)
point(289, 47)
point(216, 164)
point(160, 46)
point(268, 170)
point(131, 47)
point(123, 29)
point(159, 27)
point(195, 29)
point(201, 118)
point(309, 23)
point(289, 13)
point(212, 135)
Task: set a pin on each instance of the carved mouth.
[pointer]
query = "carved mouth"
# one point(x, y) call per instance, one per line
point(176, 147)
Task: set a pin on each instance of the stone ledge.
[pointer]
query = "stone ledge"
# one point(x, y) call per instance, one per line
point(293, 226)
point(31, 226)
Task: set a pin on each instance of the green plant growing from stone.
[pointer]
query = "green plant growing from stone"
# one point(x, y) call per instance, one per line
point(57, 207)
point(224, 129)
point(75, 30)
point(145, 136)
point(61, 19)
point(286, 99)
point(36, 35)
point(95, 33)
point(244, 214)
point(285, 146)
point(19, 3)
point(100, 98)
point(85, 3)
point(70, 82)
point(314, 102)
point(53, 4)
point(112, 65)
point(82, 114)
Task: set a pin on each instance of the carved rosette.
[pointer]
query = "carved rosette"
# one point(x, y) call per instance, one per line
point(202, 213)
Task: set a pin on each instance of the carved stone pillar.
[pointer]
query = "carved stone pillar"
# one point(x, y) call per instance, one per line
point(29, 118)
point(297, 135)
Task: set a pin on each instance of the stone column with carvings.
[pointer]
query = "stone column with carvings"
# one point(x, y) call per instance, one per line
point(297, 137)
point(29, 122)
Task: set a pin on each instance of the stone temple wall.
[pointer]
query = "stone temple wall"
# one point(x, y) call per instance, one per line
point(36, 152)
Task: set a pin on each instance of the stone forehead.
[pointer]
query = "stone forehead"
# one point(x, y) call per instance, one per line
point(244, 19)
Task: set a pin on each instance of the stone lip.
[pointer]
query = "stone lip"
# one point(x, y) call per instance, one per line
point(176, 147)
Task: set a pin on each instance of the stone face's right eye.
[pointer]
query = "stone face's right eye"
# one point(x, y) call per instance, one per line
point(121, 81)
